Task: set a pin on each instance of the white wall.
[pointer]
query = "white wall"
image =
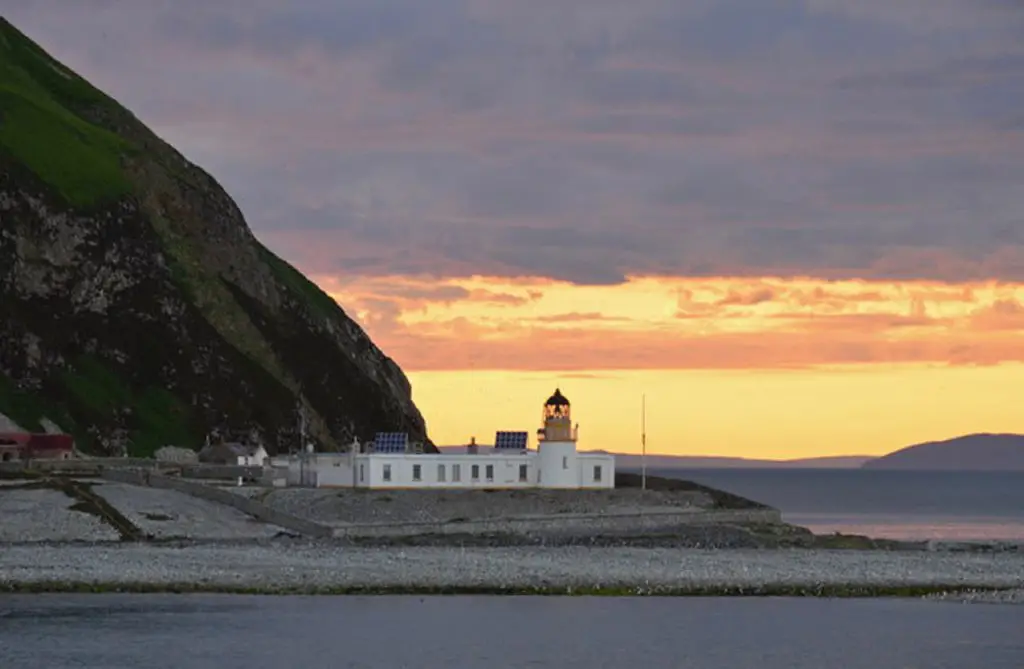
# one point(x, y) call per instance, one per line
point(504, 469)
point(317, 470)
point(570, 469)
point(558, 464)
point(586, 474)
point(333, 472)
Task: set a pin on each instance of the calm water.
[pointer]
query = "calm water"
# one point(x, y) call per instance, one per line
point(894, 504)
point(233, 632)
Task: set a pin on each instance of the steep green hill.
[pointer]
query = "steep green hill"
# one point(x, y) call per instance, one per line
point(136, 306)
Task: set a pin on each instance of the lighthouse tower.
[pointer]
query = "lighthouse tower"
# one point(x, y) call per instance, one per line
point(556, 445)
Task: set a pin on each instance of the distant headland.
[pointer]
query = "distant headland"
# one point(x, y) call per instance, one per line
point(972, 452)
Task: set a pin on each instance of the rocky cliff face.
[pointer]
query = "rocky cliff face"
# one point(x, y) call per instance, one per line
point(136, 307)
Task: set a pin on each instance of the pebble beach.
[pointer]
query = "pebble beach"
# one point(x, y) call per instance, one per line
point(297, 566)
point(46, 545)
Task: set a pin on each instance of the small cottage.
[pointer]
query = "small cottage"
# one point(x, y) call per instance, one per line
point(243, 455)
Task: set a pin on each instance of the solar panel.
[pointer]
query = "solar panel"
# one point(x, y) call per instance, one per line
point(390, 442)
point(510, 440)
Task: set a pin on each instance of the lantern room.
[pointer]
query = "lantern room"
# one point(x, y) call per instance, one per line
point(556, 419)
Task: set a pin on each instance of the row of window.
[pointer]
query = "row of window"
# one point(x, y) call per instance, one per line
point(456, 470)
point(417, 473)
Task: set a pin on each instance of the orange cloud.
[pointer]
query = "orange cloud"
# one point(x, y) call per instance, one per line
point(662, 323)
point(1006, 314)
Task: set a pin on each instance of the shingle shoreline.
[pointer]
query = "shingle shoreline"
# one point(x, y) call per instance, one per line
point(331, 568)
point(195, 546)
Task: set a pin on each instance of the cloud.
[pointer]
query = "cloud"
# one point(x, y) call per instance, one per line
point(497, 297)
point(716, 323)
point(586, 140)
point(748, 297)
point(577, 317)
point(1005, 314)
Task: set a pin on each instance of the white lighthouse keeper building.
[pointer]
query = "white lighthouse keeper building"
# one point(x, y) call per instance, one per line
point(392, 461)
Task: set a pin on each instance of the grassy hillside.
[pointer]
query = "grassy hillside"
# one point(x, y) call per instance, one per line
point(80, 160)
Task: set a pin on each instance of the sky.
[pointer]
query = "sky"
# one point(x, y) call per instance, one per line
point(796, 227)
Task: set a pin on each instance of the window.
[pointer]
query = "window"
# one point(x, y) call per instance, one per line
point(490, 472)
point(362, 472)
point(565, 462)
point(476, 472)
point(522, 472)
point(417, 473)
point(597, 472)
point(387, 472)
point(440, 472)
point(456, 472)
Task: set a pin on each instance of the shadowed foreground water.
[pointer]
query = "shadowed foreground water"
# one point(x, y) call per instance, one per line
point(236, 632)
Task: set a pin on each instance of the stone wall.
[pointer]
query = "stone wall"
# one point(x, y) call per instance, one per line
point(649, 522)
point(220, 472)
point(93, 467)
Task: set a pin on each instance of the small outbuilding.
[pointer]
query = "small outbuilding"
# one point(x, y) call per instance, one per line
point(244, 455)
point(35, 446)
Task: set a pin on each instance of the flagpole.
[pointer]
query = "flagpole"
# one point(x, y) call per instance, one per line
point(643, 442)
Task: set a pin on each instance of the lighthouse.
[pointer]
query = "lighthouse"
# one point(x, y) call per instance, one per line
point(556, 445)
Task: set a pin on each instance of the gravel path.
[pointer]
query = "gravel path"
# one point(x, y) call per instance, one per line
point(297, 564)
point(168, 513)
point(340, 506)
point(42, 514)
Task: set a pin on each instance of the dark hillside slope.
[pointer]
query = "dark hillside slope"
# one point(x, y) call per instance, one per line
point(978, 452)
point(136, 306)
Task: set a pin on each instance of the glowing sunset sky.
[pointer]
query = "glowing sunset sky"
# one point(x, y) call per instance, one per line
point(797, 226)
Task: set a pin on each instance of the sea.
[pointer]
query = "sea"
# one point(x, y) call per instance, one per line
point(113, 631)
point(917, 505)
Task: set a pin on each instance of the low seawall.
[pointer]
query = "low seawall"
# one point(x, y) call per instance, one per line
point(252, 507)
point(649, 522)
point(93, 467)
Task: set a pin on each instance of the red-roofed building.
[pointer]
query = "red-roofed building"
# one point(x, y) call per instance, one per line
point(35, 446)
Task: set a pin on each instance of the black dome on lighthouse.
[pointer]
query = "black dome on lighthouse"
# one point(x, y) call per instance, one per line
point(557, 400)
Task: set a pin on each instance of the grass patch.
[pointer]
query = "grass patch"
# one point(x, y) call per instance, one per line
point(319, 301)
point(46, 71)
point(23, 408)
point(160, 418)
point(80, 160)
point(155, 417)
point(95, 387)
point(27, 409)
point(770, 590)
